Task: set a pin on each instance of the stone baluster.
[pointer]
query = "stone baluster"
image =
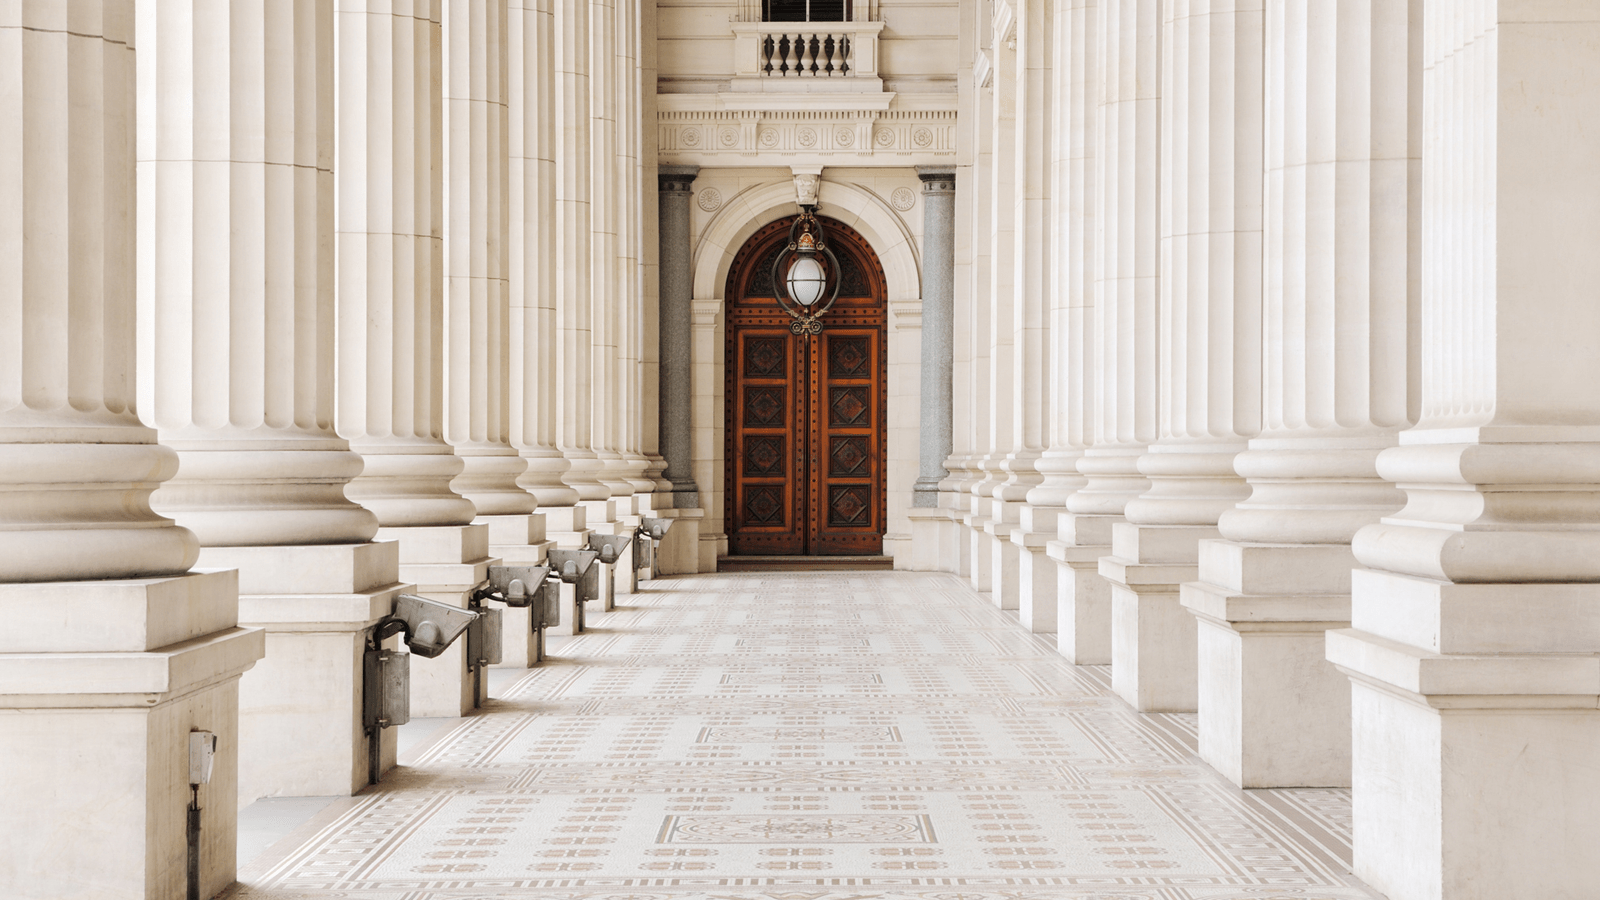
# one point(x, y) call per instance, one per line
point(112, 652)
point(1341, 224)
point(388, 176)
point(1210, 341)
point(1473, 655)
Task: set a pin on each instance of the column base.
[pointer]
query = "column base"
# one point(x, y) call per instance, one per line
point(100, 684)
point(446, 563)
point(996, 536)
point(680, 552)
point(300, 725)
point(567, 526)
point(1036, 573)
point(1473, 758)
point(1083, 598)
point(1153, 638)
point(1274, 712)
point(934, 536)
point(977, 540)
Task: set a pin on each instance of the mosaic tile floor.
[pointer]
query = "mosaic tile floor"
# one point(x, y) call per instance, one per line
point(812, 737)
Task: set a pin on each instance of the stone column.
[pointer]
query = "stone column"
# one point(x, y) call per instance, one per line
point(1083, 601)
point(112, 653)
point(630, 235)
point(389, 218)
point(677, 355)
point(1126, 288)
point(530, 283)
point(237, 357)
point(677, 300)
point(1473, 648)
point(532, 271)
point(931, 525)
point(1001, 507)
point(605, 193)
point(977, 482)
point(1034, 393)
point(1210, 341)
point(477, 289)
point(574, 281)
point(1342, 102)
point(650, 266)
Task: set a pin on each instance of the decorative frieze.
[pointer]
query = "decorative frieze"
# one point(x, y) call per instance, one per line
point(722, 137)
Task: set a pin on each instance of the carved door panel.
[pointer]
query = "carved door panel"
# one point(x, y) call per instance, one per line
point(805, 423)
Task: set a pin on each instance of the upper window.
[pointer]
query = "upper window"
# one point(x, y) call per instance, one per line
point(805, 10)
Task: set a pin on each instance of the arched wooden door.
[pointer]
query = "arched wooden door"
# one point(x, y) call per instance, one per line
point(805, 413)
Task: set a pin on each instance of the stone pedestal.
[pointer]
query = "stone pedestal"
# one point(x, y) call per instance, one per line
point(1153, 639)
point(1273, 711)
point(934, 540)
point(100, 684)
point(995, 539)
point(1036, 573)
point(300, 725)
point(1083, 597)
point(679, 552)
point(1474, 769)
point(517, 540)
point(446, 563)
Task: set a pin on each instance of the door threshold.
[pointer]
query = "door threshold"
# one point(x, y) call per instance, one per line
point(805, 563)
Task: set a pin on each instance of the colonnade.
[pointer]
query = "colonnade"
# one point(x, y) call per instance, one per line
point(386, 269)
point(1274, 392)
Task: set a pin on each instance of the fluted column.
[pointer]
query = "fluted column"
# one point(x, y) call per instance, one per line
point(938, 330)
point(605, 194)
point(575, 299)
point(1473, 653)
point(650, 263)
point(236, 286)
point(1126, 286)
point(112, 651)
point(79, 467)
point(1034, 393)
point(632, 410)
point(1210, 340)
point(476, 225)
point(389, 182)
point(1341, 227)
point(236, 305)
point(390, 258)
point(1002, 504)
point(1083, 598)
point(532, 262)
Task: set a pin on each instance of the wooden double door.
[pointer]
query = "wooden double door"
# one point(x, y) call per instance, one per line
point(805, 418)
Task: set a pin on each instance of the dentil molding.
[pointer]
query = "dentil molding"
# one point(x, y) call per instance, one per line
point(872, 129)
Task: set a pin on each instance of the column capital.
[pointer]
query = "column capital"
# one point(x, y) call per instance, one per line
point(937, 179)
point(676, 179)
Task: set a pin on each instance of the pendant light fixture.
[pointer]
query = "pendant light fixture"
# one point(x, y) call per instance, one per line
point(799, 277)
